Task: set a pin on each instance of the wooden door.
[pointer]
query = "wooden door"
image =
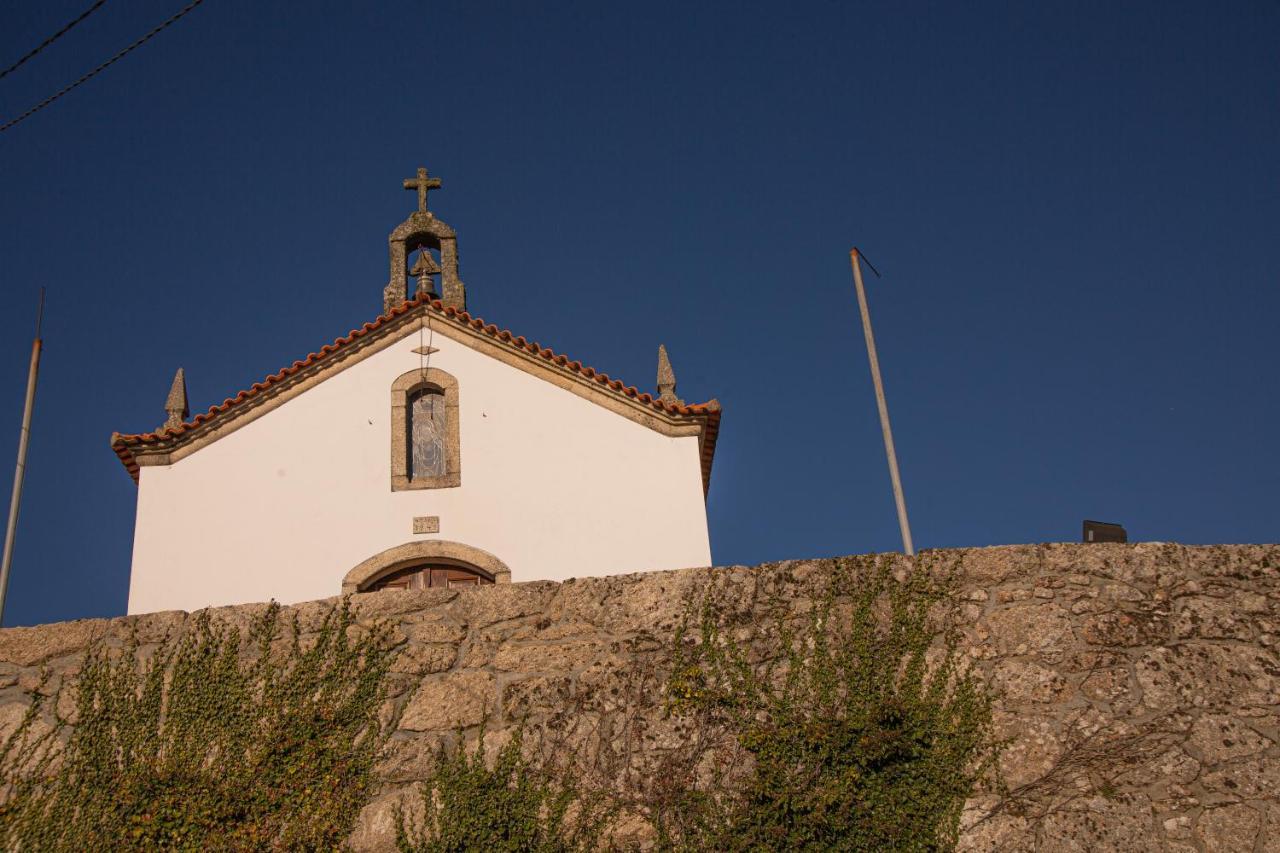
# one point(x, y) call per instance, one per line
point(430, 576)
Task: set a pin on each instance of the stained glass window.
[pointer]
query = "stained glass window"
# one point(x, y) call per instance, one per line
point(426, 434)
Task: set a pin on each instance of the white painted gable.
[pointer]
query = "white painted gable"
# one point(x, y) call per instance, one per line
point(286, 504)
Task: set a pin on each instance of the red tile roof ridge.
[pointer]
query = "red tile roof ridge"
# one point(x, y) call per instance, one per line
point(121, 442)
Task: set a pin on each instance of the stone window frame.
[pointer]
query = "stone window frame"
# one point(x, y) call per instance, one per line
point(402, 390)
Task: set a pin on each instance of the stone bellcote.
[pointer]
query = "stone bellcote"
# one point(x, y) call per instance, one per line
point(424, 233)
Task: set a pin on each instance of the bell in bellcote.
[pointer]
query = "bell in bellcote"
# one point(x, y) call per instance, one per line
point(423, 269)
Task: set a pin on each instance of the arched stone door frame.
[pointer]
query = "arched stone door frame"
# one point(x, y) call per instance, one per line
point(367, 573)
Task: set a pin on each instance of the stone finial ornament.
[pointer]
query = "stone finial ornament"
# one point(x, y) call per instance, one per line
point(666, 378)
point(175, 405)
point(420, 230)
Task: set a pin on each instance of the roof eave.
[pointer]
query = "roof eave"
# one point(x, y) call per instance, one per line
point(158, 444)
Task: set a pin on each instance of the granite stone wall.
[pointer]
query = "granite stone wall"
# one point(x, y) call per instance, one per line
point(1139, 684)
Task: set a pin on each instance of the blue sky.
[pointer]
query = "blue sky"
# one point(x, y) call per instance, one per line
point(1075, 207)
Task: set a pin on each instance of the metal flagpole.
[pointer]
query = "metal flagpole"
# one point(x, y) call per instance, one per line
point(854, 257)
point(23, 437)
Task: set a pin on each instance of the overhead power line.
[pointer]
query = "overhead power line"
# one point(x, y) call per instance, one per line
point(104, 66)
point(51, 39)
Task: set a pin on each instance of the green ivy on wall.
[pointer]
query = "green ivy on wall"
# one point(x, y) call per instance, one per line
point(846, 721)
point(515, 805)
point(199, 746)
point(863, 730)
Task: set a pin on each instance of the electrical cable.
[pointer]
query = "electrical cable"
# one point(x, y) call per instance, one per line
point(51, 39)
point(424, 352)
point(95, 72)
point(867, 261)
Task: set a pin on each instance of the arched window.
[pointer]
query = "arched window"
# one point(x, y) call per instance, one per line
point(425, 453)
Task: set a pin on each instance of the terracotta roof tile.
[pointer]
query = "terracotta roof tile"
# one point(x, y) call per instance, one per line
point(122, 444)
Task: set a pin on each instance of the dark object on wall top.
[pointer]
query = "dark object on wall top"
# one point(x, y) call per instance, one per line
point(1102, 531)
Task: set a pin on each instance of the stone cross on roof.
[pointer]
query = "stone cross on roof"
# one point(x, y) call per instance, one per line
point(422, 184)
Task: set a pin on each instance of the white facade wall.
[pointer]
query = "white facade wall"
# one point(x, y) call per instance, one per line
point(553, 485)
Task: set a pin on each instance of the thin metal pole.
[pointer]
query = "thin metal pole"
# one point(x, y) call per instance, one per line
point(884, 407)
point(23, 438)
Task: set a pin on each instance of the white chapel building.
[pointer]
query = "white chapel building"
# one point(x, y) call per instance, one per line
point(425, 448)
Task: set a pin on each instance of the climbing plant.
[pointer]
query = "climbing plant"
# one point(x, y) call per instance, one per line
point(860, 726)
point(213, 741)
point(849, 722)
point(513, 805)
